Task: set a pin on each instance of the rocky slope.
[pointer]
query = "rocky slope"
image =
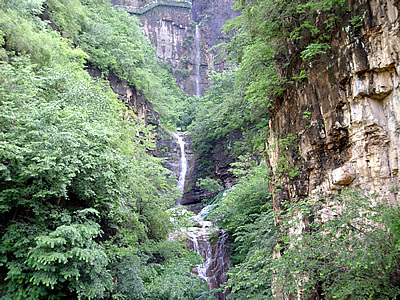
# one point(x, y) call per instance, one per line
point(142, 107)
point(341, 127)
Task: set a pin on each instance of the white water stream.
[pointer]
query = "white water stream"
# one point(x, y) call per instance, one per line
point(197, 60)
point(201, 244)
point(183, 161)
point(215, 257)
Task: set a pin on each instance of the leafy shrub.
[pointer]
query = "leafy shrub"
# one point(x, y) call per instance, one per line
point(252, 277)
point(208, 184)
point(348, 251)
point(243, 203)
point(246, 212)
point(64, 261)
point(69, 257)
point(176, 281)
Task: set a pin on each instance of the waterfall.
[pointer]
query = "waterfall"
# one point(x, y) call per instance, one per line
point(201, 245)
point(215, 256)
point(183, 162)
point(197, 60)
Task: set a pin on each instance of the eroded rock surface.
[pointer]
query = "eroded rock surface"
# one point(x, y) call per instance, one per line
point(171, 29)
point(345, 119)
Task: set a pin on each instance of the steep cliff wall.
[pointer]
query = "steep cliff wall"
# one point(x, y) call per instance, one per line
point(172, 30)
point(166, 145)
point(142, 107)
point(213, 16)
point(341, 127)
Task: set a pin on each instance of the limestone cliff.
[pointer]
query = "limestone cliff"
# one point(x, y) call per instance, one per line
point(341, 127)
point(171, 27)
point(132, 98)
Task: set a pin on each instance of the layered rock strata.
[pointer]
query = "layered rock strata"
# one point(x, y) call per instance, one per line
point(341, 127)
point(171, 28)
point(132, 98)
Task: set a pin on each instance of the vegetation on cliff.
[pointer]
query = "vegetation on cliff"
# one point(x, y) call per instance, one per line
point(267, 37)
point(82, 203)
point(246, 213)
point(348, 251)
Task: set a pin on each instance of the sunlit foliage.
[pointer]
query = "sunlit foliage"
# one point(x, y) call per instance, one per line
point(82, 202)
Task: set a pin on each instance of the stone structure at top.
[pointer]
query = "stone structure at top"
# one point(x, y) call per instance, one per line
point(171, 27)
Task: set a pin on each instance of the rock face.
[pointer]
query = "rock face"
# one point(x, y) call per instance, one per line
point(222, 159)
point(130, 96)
point(341, 128)
point(171, 27)
point(167, 27)
point(211, 243)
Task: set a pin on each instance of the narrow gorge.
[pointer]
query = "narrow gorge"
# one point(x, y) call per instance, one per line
point(199, 149)
point(204, 237)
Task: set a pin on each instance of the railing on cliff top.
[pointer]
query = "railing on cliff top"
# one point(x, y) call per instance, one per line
point(155, 3)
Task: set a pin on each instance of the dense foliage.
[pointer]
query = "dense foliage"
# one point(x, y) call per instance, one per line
point(349, 250)
point(246, 213)
point(345, 247)
point(82, 202)
point(224, 117)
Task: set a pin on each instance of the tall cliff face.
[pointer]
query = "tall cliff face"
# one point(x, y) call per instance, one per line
point(171, 27)
point(212, 15)
point(132, 98)
point(341, 128)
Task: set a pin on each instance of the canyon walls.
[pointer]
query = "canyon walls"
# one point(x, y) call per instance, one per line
point(132, 98)
point(340, 127)
point(171, 27)
point(183, 33)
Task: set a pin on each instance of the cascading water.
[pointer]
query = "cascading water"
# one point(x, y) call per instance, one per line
point(200, 238)
point(197, 60)
point(183, 162)
point(220, 264)
point(215, 256)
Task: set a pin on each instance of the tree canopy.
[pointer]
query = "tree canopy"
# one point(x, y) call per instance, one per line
point(83, 203)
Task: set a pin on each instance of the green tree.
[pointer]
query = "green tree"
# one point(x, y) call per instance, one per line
point(246, 213)
point(65, 147)
point(349, 250)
